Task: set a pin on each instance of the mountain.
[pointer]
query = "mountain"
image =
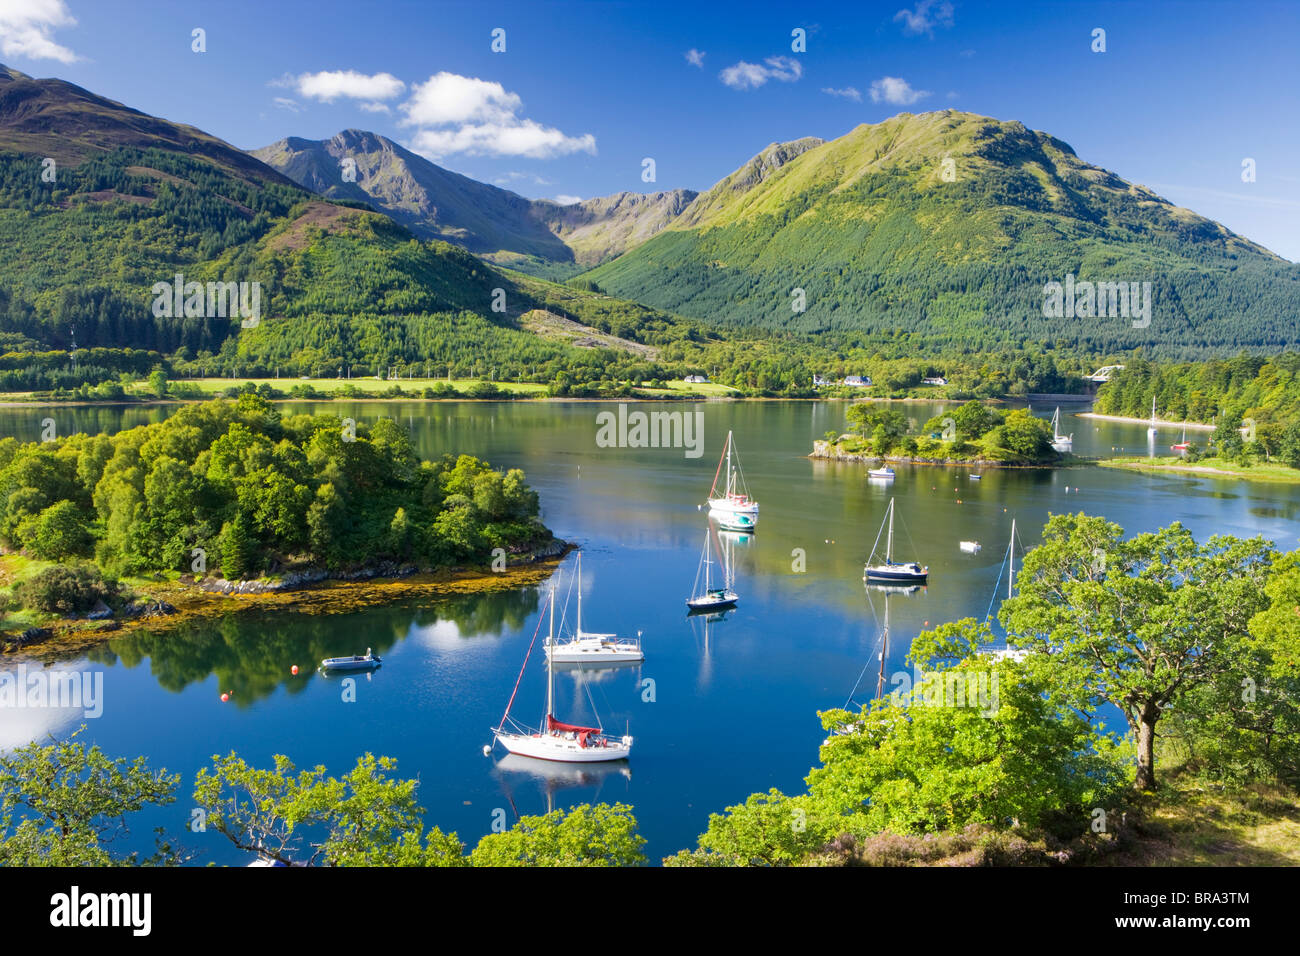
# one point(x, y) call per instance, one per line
point(56, 119)
point(885, 236)
point(535, 236)
point(134, 200)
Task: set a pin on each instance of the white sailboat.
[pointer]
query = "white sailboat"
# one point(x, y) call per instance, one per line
point(734, 500)
point(890, 571)
point(711, 598)
point(1060, 443)
point(586, 647)
point(567, 743)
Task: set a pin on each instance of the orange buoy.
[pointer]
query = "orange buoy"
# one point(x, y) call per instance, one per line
point(294, 670)
point(225, 698)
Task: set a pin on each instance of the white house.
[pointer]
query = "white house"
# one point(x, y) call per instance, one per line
point(696, 379)
point(936, 380)
point(857, 381)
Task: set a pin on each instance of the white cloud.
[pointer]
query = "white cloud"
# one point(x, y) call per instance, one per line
point(513, 177)
point(849, 93)
point(375, 107)
point(893, 89)
point(565, 200)
point(285, 103)
point(695, 57)
point(927, 15)
point(748, 76)
point(26, 27)
point(463, 114)
point(329, 85)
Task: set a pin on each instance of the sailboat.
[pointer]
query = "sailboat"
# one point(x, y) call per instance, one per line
point(567, 743)
point(1183, 445)
point(1151, 432)
point(1061, 443)
point(890, 571)
point(586, 647)
point(1009, 653)
point(734, 500)
point(711, 598)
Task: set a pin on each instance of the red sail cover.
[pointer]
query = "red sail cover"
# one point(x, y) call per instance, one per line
point(582, 732)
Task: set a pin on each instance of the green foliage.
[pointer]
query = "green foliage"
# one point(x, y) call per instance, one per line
point(66, 589)
point(1223, 391)
point(364, 819)
point(256, 491)
point(66, 804)
point(1142, 623)
point(600, 835)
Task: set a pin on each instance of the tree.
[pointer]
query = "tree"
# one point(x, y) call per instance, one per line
point(600, 835)
point(66, 804)
point(60, 532)
point(1138, 623)
point(308, 818)
point(239, 552)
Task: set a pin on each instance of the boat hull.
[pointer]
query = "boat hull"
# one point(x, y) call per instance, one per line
point(713, 603)
point(732, 506)
point(900, 575)
point(560, 749)
point(583, 652)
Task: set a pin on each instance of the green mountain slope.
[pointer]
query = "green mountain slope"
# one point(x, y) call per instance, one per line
point(536, 236)
point(882, 242)
point(137, 200)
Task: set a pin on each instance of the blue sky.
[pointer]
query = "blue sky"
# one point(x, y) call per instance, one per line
point(1182, 95)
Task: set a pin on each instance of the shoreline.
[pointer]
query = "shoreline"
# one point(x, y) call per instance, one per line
point(1198, 426)
point(1158, 466)
point(73, 638)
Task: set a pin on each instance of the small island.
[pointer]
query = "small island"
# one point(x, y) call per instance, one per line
point(972, 434)
point(234, 498)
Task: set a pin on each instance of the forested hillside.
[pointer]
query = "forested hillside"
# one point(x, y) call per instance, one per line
point(949, 225)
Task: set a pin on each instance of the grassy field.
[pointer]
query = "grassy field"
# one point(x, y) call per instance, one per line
point(1207, 468)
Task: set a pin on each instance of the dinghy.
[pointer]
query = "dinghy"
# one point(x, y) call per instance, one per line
point(357, 662)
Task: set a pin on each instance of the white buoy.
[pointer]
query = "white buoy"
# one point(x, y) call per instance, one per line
point(487, 750)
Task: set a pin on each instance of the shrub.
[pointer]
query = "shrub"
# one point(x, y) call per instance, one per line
point(65, 589)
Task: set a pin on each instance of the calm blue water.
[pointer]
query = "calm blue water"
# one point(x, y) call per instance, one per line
point(734, 703)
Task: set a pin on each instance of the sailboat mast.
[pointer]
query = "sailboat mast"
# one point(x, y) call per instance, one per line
point(580, 594)
point(550, 670)
point(731, 476)
point(889, 545)
point(1011, 573)
point(884, 651)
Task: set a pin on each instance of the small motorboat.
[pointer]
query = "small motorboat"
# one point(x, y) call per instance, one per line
point(357, 662)
point(883, 474)
point(976, 477)
point(969, 547)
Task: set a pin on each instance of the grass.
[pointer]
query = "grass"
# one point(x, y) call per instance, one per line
point(1211, 467)
point(1190, 823)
